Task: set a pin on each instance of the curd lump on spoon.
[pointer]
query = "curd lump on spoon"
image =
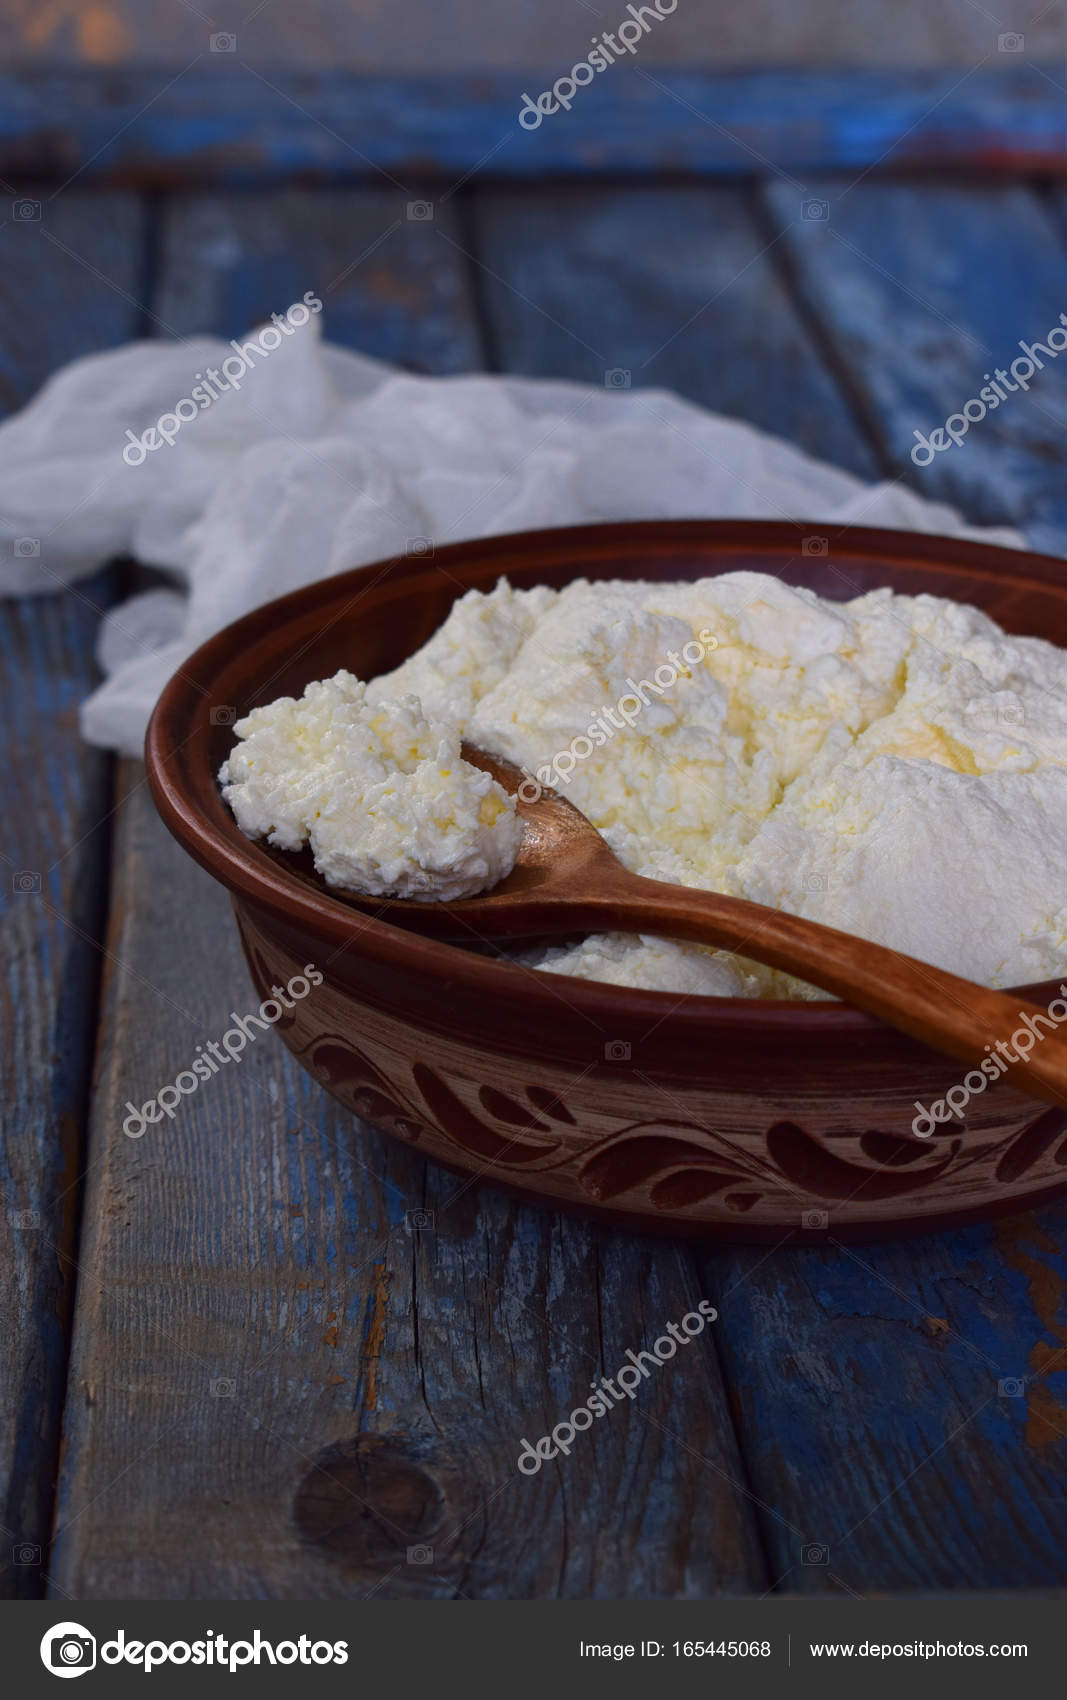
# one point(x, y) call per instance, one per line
point(380, 793)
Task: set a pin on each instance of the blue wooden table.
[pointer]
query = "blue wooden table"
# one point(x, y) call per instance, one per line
point(270, 1354)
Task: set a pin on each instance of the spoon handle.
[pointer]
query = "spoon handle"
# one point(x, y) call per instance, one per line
point(942, 1010)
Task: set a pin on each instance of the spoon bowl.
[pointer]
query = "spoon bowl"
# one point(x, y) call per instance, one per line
point(560, 855)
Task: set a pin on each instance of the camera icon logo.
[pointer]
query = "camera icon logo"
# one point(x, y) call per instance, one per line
point(1011, 42)
point(68, 1649)
point(420, 1555)
point(617, 1050)
point(1010, 1387)
point(420, 212)
point(25, 211)
point(25, 1553)
point(616, 378)
point(26, 546)
point(816, 212)
point(815, 1221)
point(224, 42)
point(816, 882)
point(815, 546)
point(815, 1553)
point(420, 1221)
point(420, 547)
point(26, 882)
point(224, 1387)
point(223, 714)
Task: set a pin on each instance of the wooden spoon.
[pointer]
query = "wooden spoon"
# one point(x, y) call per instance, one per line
point(566, 880)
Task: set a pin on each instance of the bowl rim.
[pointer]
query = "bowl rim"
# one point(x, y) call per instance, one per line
point(180, 720)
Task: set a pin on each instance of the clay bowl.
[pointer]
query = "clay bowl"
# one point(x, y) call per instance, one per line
point(714, 1117)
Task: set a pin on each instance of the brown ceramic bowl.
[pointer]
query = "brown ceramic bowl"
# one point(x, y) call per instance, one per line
point(721, 1117)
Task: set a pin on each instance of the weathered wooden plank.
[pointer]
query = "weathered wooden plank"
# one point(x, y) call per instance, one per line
point(54, 303)
point(219, 122)
point(923, 291)
point(904, 1407)
point(377, 1375)
point(388, 281)
point(300, 1351)
point(672, 287)
point(70, 282)
point(53, 871)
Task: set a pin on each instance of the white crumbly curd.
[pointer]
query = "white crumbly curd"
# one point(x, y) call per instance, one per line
point(380, 794)
point(894, 766)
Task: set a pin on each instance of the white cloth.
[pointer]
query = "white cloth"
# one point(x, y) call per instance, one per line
point(323, 460)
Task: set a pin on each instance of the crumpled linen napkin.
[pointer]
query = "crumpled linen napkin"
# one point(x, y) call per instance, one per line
point(322, 460)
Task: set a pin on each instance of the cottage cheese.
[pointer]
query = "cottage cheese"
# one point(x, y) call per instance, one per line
point(378, 791)
point(895, 766)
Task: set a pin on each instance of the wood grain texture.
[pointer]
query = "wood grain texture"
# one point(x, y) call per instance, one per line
point(389, 280)
point(70, 281)
point(922, 290)
point(671, 287)
point(67, 276)
point(905, 1407)
point(53, 873)
point(283, 1380)
point(217, 121)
